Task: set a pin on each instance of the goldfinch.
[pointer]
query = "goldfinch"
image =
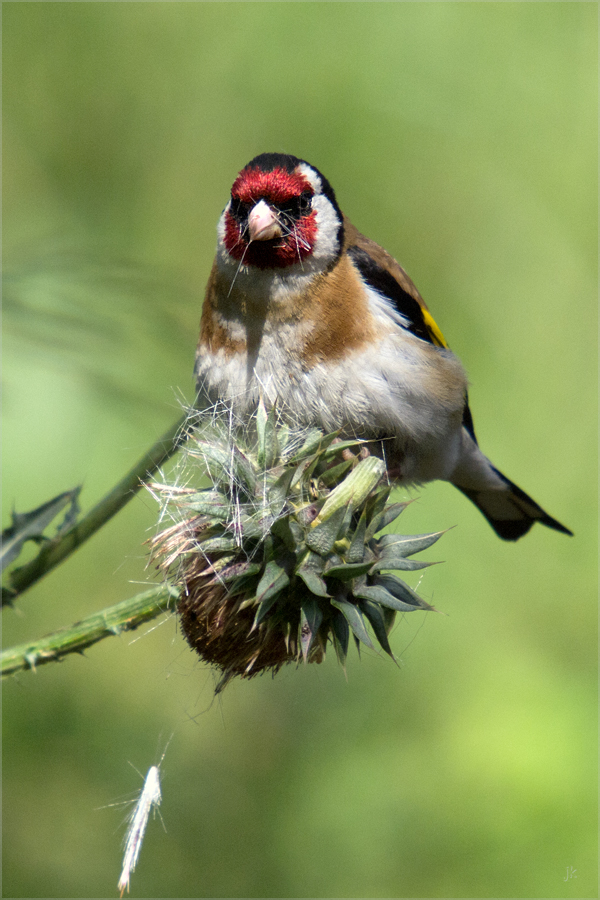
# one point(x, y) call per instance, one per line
point(304, 311)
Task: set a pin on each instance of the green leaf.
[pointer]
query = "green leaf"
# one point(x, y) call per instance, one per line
point(333, 475)
point(356, 550)
point(298, 533)
point(278, 492)
point(313, 614)
point(391, 513)
point(313, 561)
point(206, 495)
point(253, 527)
point(375, 507)
point(30, 526)
point(214, 455)
point(261, 421)
point(239, 570)
point(273, 581)
point(375, 615)
point(401, 591)
point(268, 547)
point(244, 584)
point(313, 582)
point(303, 471)
point(228, 467)
point(335, 448)
point(341, 636)
point(268, 444)
point(345, 526)
point(400, 563)
point(347, 571)
point(378, 594)
point(283, 529)
point(322, 537)
point(219, 544)
point(310, 622)
point(306, 515)
point(407, 544)
point(355, 620)
point(213, 504)
point(314, 442)
point(244, 472)
point(389, 617)
point(284, 438)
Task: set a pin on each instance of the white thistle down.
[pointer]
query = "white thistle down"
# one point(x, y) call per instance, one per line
point(149, 800)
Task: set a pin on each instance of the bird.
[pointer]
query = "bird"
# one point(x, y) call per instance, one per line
point(304, 312)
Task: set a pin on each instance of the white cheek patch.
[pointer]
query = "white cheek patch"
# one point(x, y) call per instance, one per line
point(311, 176)
point(221, 225)
point(328, 224)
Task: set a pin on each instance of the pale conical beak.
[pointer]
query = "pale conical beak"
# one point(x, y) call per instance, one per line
point(262, 223)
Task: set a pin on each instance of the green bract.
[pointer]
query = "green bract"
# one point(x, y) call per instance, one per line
point(280, 554)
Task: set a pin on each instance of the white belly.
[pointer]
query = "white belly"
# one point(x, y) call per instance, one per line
point(399, 388)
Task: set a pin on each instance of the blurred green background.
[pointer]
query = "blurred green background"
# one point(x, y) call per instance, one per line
point(462, 137)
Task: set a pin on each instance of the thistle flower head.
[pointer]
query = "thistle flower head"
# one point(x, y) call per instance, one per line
point(279, 555)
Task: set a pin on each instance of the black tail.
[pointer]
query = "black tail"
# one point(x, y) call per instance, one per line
point(509, 510)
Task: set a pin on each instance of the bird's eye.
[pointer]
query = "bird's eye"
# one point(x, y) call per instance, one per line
point(297, 206)
point(238, 209)
point(305, 201)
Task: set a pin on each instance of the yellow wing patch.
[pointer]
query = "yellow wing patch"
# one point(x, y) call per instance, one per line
point(436, 335)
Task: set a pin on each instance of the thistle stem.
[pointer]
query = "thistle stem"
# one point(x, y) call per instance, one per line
point(124, 616)
point(55, 551)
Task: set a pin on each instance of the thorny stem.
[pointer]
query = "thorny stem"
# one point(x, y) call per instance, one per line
point(55, 551)
point(124, 616)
